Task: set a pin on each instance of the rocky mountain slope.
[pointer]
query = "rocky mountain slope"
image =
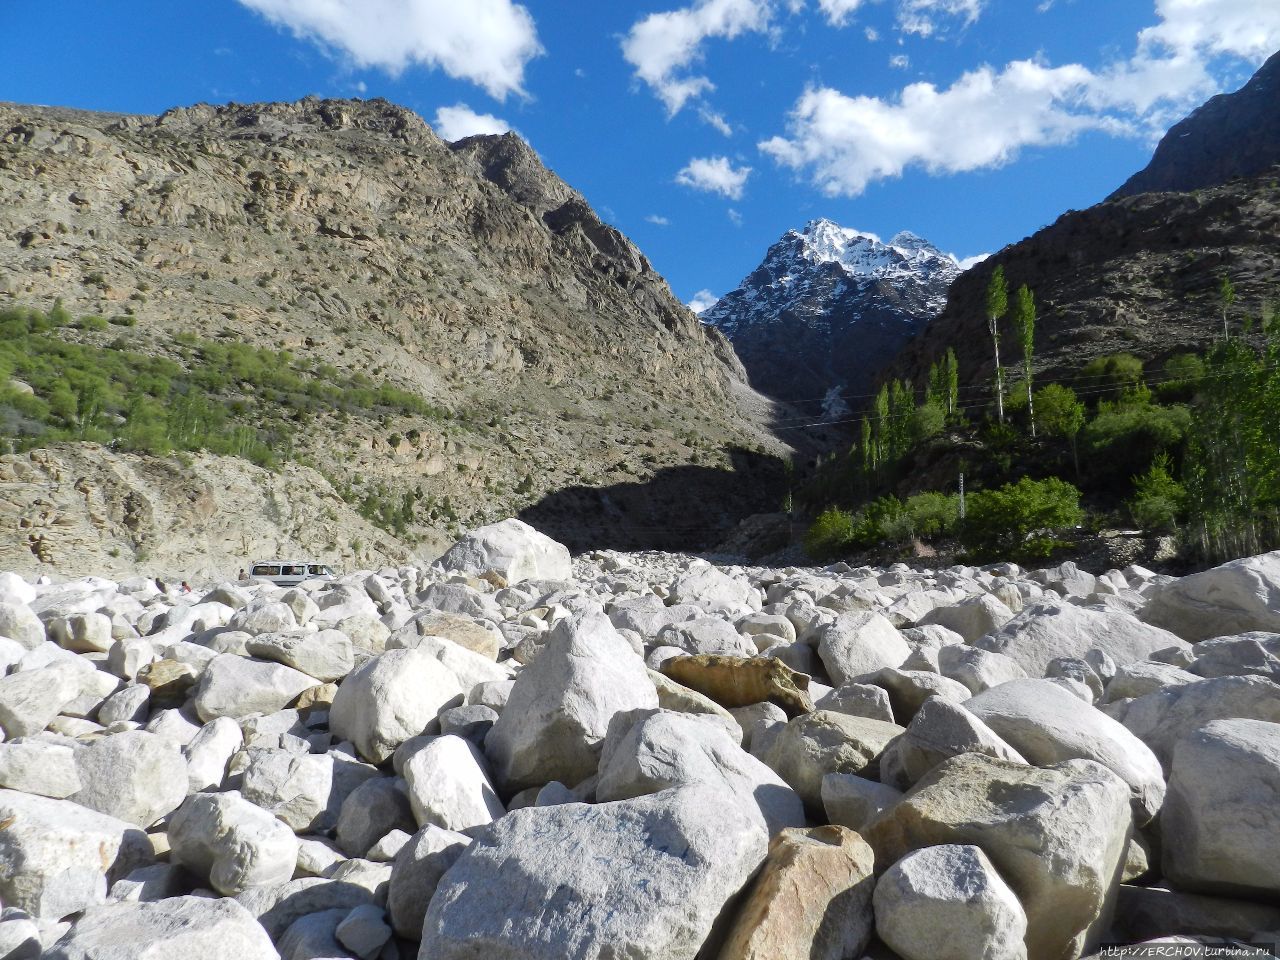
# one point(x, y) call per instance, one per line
point(1233, 135)
point(347, 233)
point(512, 754)
point(828, 307)
point(1139, 275)
point(1140, 272)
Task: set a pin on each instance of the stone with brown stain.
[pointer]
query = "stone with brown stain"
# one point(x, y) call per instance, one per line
point(740, 682)
point(810, 901)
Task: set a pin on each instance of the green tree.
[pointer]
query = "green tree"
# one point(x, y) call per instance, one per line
point(1024, 318)
point(1226, 297)
point(1018, 520)
point(952, 368)
point(997, 301)
point(1158, 499)
point(1061, 415)
point(830, 534)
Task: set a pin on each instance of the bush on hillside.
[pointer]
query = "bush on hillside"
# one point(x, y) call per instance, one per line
point(829, 535)
point(1017, 521)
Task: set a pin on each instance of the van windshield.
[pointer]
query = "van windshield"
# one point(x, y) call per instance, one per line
point(319, 570)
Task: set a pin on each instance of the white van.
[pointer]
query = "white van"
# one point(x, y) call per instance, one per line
point(288, 573)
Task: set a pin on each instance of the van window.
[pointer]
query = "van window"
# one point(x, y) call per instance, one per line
point(293, 571)
point(318, 570)
point(264, 570)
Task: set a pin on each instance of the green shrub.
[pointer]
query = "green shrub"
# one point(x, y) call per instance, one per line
point(1118, 372)
point(1158, 499)
point(1017, 521)
point(1125, 437)
point(829, 535)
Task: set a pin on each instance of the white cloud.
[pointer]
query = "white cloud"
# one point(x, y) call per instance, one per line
point(662, 45)
point(460, 121)
point(703, 301)
point(900, 61)
point(486, 42)
point(987, 116)
point(715, 175)
point(715, 120)
point(967, 262)
point(872, 34)
point(921, 16)
point(838, 12)
point(734, 217)
point(657, 221)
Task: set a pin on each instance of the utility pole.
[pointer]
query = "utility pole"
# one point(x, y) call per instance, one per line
point(962, 496)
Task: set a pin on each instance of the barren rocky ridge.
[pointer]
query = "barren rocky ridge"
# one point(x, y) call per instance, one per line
point(347, 232)
point(511, 753)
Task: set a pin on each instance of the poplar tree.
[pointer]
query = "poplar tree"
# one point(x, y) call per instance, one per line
point(997, 307)
point(952, 372)
point(1025, 319)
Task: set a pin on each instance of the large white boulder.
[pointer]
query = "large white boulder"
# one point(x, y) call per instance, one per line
point(57, 857)
point(235, 687)
point(325, 655)
point(1049, 629)
point(710, 588)
point(949, 903)
point(512, 549)
point(667, 749)
point(1048, 725)
point(304, 791)
point(448, 785)
point(547, 883)
point(176, 928)
point(29, 700)
point(941, 729)
point(813, 745)
point(133, 775)
point(855, 645)
point(235, 844)
point(558, 713)
point(416, 874)
point(1163, 718)
point(19, 622)
point(1221, 824)
point(972, 617)
point(1057, 836)
point(44, 767)
point(1236, 597)
point(209, 752)
point(391, 698)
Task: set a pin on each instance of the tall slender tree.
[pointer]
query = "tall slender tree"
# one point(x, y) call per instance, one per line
point(952, 367)
point(1226, 296)
point(1024, 318)
point(997, 307)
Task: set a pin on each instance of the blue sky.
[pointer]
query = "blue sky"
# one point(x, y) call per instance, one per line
point(706, 128)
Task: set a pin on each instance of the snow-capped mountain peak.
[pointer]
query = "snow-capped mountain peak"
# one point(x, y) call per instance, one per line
point(842, 295)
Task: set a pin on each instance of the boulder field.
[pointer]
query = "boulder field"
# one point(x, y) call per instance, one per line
point(511, 754)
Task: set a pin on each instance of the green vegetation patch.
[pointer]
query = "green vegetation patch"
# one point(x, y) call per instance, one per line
point(226, 398)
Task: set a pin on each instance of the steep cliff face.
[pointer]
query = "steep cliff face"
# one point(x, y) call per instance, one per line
point(1141, 272)
point(349, 233)
point(1233, 135)
point(828, 307)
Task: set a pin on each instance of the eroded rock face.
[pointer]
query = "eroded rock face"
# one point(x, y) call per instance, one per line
point(687, 854)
